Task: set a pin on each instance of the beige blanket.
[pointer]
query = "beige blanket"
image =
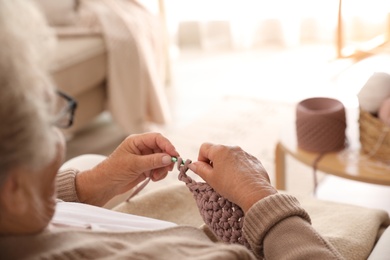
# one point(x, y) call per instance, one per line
point(351, 229)
point(134, 41)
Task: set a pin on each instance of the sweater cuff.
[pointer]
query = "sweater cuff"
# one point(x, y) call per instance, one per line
point(267, 213)
point(66, 185)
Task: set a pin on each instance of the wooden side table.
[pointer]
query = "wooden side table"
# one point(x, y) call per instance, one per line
point(348, 163)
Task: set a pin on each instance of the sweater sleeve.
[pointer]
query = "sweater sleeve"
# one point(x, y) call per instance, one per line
point(65, 185)
point(277, 227)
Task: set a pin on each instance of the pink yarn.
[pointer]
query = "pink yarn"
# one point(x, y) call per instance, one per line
point(223, 217)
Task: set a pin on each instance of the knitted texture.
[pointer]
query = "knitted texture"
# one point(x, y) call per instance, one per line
point(223, 217)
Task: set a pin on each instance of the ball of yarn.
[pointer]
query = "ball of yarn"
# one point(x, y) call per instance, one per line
point(384, 112)
point(374, 92)
point(321, 124)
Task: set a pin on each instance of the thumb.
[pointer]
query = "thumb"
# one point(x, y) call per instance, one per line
point(154, 161)
point(202, 169)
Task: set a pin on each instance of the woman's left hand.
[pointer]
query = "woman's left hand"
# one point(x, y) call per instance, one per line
point(138, 157)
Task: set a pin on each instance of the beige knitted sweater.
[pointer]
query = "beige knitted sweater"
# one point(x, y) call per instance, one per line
point(276, 228)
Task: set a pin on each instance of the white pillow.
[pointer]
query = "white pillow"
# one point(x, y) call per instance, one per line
point(58, 12)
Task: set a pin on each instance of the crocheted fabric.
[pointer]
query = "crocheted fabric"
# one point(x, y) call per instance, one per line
point(222, 216)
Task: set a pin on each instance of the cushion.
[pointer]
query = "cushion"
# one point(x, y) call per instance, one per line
point(58, 12)
point(80, 63)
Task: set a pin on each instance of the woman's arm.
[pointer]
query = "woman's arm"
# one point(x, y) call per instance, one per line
point(277, 227)
point(65, 185)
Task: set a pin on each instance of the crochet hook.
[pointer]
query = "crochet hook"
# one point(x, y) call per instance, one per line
point(175, 159)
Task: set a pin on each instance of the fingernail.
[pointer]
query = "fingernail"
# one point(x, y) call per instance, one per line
point(166, 159)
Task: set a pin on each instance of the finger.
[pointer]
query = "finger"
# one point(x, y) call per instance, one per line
point(204, 152)
point(204, 170)
point(170, 167)
point(153, 161)
point(156, 142)
point(159, 174)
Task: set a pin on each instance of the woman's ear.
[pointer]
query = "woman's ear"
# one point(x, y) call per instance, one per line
point(13, 193)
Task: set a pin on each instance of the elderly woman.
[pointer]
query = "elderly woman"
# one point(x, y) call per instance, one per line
point(47, 213)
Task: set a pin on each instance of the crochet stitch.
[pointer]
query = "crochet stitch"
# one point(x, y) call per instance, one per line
point(223, 217)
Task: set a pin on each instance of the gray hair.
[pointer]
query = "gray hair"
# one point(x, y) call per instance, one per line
point(26, 92)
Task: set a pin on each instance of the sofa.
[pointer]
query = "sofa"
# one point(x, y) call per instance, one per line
point(89, 52)
point(80, 70)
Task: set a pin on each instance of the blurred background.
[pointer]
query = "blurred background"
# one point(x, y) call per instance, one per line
point(243, 24)
point(283, 50)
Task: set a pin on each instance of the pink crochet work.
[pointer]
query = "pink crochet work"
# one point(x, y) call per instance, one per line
point(222, 216)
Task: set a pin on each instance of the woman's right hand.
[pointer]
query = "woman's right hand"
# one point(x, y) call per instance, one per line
point(233, 173)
